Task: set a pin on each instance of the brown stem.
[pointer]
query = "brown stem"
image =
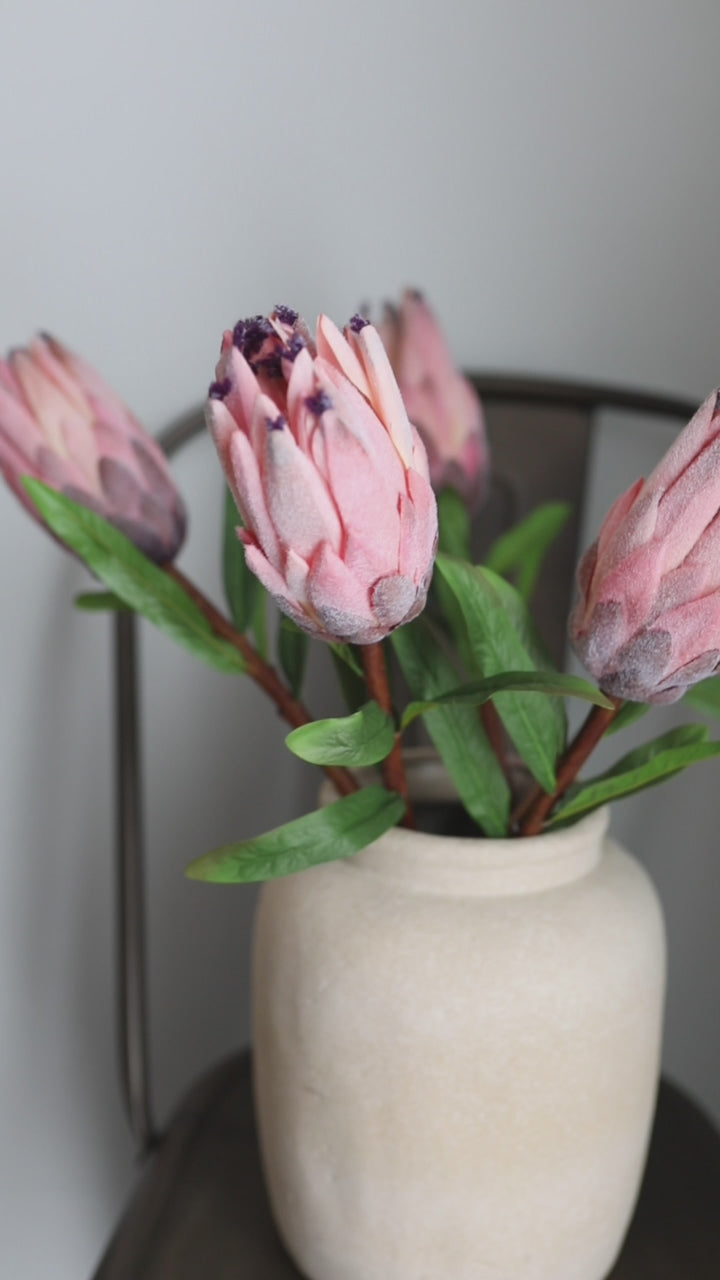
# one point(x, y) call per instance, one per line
point(493, 726)
point(294, 711)
point(534, 809)
point(376, 678)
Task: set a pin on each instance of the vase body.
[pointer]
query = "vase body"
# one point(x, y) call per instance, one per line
point(457, 1051)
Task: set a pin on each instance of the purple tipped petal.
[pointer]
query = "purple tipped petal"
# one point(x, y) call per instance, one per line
point(341, 524)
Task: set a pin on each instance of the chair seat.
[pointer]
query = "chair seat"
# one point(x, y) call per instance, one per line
point(201, 1208)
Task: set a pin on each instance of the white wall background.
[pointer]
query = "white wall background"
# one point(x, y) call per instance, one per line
point(548, 172)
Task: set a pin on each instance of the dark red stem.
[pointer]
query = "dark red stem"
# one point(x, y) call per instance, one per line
point(378, 685)
point(293, 710)
point(531, 813)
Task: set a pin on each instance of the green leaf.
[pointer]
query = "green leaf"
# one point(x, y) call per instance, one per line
point(350, 678)
point(488, 604)
point(336, 831)
point(479, 691)
point(293, 651)
point(241, 586)
point(131, 576)
point(455, 730)
point(644, 767)
point(705, 696)
point(259, 623)
point(364, 738)
point(510, 600)
point(627, 715)
point(453, 524)
point(521, 551)
point(347, 654)
point(100, 602)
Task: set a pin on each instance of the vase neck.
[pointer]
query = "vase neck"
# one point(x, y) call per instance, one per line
point(455, 866)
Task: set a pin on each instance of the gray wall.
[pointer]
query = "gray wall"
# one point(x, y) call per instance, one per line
point(548, 173)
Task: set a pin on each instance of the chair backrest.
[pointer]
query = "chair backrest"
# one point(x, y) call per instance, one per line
point(540, 433)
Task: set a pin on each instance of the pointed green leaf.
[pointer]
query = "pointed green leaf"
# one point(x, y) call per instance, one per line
point(705, 696)
point(478, 691)
point(645, 767)
point(131, 576)
point(347, 654)
point(507, 598)
point(453, 524)
point(293, 651)
point(627, 715)
point(349, 674)
point(259, 623)
point(336, 831)
point(364, 738)
point(520, 552)
point(241, 585)
point(100, 602)
point(487, 603)
point(456, 731)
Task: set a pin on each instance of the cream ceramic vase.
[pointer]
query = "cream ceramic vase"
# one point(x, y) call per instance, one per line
point(457, 1051)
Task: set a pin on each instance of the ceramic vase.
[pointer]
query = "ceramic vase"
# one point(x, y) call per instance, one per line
point(456, 1047)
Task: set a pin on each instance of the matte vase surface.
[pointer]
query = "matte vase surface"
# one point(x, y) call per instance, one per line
point(457, 1047)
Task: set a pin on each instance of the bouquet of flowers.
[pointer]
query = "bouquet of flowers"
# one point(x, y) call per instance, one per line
point(355, 463)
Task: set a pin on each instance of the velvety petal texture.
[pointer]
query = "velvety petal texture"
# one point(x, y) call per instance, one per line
point(329, 476)
point(647, 620)
point(60, 423)
point(440, 402)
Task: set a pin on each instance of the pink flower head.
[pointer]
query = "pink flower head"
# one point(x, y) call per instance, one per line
point(60, 423)
point(329, 476)
point(647, 622)
point(440, 402)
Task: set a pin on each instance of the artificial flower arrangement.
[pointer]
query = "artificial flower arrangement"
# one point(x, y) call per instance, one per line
point(350, 457)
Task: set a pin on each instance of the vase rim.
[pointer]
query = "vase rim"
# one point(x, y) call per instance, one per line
point(486, 867)
point(478, 865)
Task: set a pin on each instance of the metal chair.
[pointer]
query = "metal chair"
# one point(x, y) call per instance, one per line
point(200, 1210)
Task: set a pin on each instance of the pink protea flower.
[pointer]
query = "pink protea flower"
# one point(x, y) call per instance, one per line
point(440, 402)
point(647, 621)
point(60, 423)
point(329, 476)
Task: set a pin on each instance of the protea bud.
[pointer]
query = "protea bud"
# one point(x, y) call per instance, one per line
point(647, 621)
point(440, 402)
point(60, 423)
point(329, 476)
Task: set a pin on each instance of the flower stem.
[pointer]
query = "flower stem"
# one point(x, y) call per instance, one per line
point(492, 724)
point(531, 813)
point(376, 678)
point(293, 710)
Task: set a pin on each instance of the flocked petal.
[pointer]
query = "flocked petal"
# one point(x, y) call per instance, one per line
point(384, 390)
point(334, 347)
point(299, 505)
point(339, 599)
point(393, 600)
point(360, 420)
point(277, 587)
point(46, 402)
point(367, 501)
point(701, 429)
point(243, 474)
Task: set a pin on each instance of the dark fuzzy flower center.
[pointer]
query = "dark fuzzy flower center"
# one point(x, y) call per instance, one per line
point(318, 403)
point(286, 315)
